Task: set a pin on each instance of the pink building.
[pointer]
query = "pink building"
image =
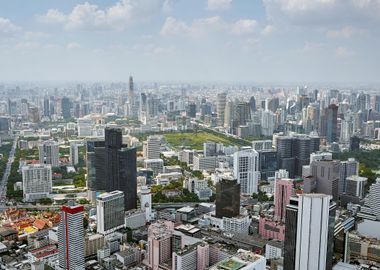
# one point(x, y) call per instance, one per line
point(160, 236)
point(282, 194)
point(269, 228)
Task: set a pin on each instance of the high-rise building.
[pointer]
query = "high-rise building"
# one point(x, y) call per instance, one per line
point(326, 174)
point(242, 113)
point(36, 181)
point(246, 170)
point(146, 202)
point(49, 153)
point(210, 149)
point(74, 153)
point(227, 198)
point(221, 106)
point(160, 238)
point(372, 201)
point(71, 238)
point(283, 192)
point(309, 233)
point(252, 104)
point(110, 212)
point(95, 154)
point(268, 163)
point(347, 168)
point(377, 104)
point(120, 167)
point(46, 106)
point(285, 156)
point(331, 114)
point(151, 147)
point(66, 108)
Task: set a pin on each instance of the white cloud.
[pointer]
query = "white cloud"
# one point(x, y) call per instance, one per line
point(244, 27)
point(267, 30)
point(345, 32)
point(312, 47)
point(204, 26)
point(73, 46)
point(117, 17)
point(343, 52)
point(7, 27)
point(218, 4)
point(324, 11)
point(35, 35)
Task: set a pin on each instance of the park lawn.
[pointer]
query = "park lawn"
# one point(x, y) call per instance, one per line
point(195, 140)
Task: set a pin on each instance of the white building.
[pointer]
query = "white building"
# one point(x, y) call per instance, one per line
point(313, 221)
point(201, 163)
point(85, 127)
point(49, 153)
point(243, 260)
point(146, 202)
point(71, 238)
point(110, 212)
point(36, 181)
point(135, 219)
point(373, 199)
point(246, 170)
point(151, 148)
point(273, 249)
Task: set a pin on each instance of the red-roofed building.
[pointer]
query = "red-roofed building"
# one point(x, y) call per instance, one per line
point(40, 224)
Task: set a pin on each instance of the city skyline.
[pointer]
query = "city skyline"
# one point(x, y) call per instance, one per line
point(204, 40)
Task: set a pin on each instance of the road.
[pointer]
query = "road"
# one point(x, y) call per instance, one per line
point(4, 181)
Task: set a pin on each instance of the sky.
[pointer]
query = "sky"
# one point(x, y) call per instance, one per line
point(191, 40)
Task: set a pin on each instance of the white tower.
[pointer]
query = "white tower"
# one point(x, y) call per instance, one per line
point(246, 170)
point(146, 202)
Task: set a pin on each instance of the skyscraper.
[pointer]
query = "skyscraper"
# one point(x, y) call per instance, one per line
point(227, 198)
point(347, 168)
point(120, 167)
point(246, 170)
point(252, 104)
point(110, 212)
point(49, 153)
point(66, 108)
point(151, 148)
point(309, 233)
point(282, 194)
point(331, 123)
point(71, 238)
point(74, 153)
point(221, 106)
point(326, 173)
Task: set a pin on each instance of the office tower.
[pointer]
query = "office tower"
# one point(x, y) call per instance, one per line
point(209, 149)
point(262, 145)
point(252, 104)
point(355, 186)
point(326, 173)
point(46, 106)
point(301, 152)
point(71, 238)
point(346, 129)
point(229, 115)
point(110, 212)
point(192, 110)
point(268, 163)
point(373, 199)
point(283, 192)
point(95, 159)
point(66, 108)
point(49, 153)
point(151, 148)
point(74, 153)
point(331, 123)
point(131, 90)
point(36, 181)
point(285, 156)
point(377, 104)
point(246, 170)
point(227, 198)
point(272, 104)
point(146, 202)
point(221, 106)
point(347, 168)
point(309, 232)
point(4, 124)
point(242, 113)
point(160, 238)
point(354, 143)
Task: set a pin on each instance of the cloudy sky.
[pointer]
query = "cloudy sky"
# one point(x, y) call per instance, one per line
point(191, 40)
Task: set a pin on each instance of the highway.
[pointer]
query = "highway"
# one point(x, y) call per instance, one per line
point(4, 181)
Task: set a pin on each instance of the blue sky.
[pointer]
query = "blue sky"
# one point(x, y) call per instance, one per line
point(191, 40)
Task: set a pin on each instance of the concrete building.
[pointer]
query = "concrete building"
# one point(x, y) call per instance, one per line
point(242, 260)
point(201, 163)
point(151, 148)
point(246, 170)
point(310, 221)
point(74, 153)
point(71, 238)
point(110, 212)
point(347, 168)
point(227, 198)
point(326, 174)
point(49, 153)
point(146, 202)
point(36, 181)
point(156, 165)
point(262, 145)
